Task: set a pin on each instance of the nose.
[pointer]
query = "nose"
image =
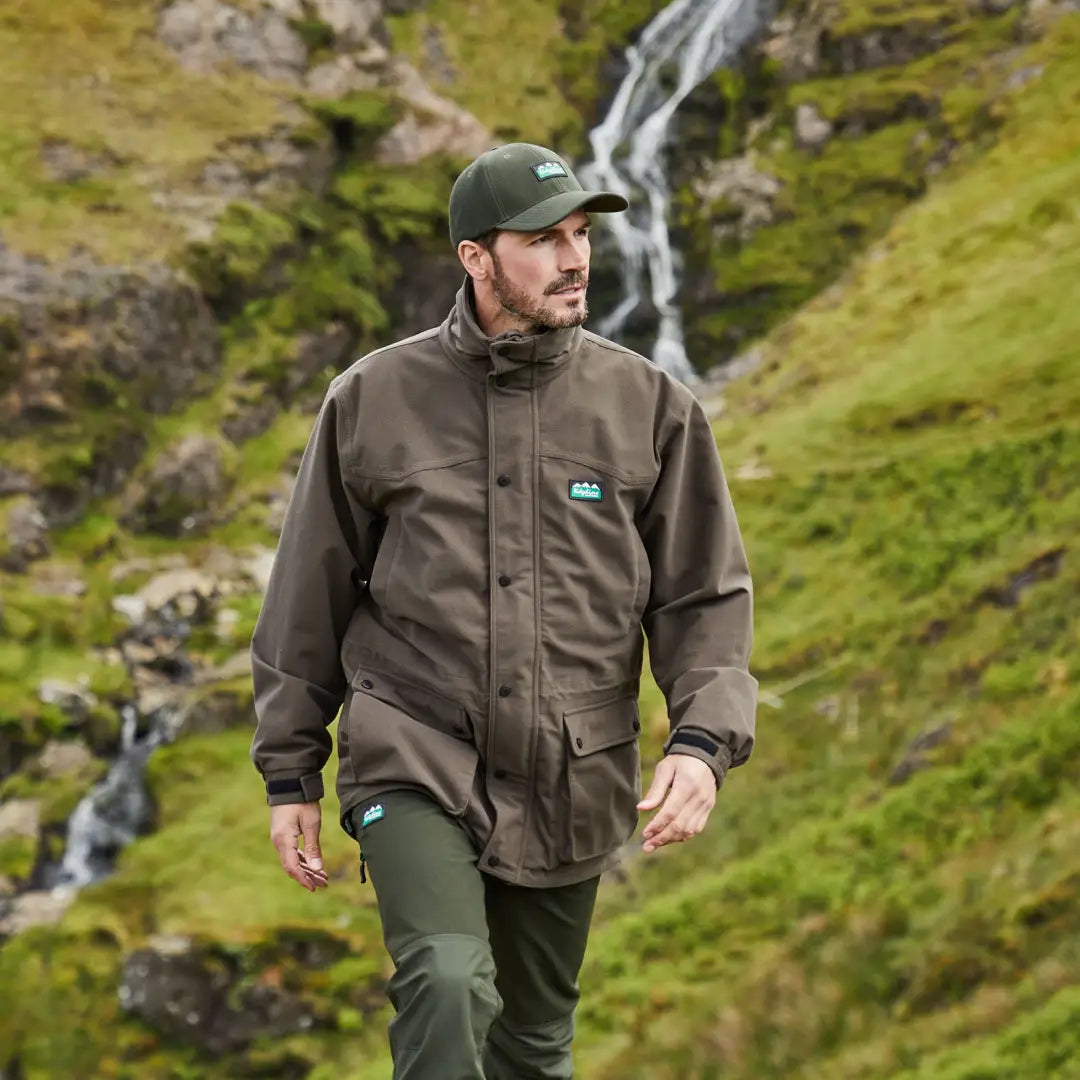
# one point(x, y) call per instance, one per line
point(575, 255)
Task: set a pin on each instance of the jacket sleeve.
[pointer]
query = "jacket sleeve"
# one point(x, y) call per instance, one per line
point(314, 583)
point(699, 615)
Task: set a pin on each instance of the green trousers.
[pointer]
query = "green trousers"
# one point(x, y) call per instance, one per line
point(485, 980)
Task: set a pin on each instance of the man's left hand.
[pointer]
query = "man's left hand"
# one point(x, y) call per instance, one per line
point(690, 787)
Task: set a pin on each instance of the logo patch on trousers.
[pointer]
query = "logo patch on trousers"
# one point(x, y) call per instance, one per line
point(587, 490)
point(372, 813)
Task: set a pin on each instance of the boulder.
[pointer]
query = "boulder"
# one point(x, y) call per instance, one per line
point(431, 124)
point(79, 321)
point(812, 130)
point(74, 701)
point(745, 195)
point(353, 21)
point(182, 491)
point(27, 536)
point(193, 996)
point(206, 34)
point(60, 759)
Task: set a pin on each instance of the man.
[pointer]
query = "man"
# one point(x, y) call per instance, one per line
point(486, 517)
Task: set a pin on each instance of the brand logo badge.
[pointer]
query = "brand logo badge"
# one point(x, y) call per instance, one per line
point(587, 490)
point(372, 813)
point(548, 170)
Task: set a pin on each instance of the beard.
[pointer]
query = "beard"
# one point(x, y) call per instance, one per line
point(513, 298)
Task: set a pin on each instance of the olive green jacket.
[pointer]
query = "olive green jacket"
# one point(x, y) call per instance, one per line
point(479, 532)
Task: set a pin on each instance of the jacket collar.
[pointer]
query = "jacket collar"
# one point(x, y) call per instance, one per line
point(530, 355)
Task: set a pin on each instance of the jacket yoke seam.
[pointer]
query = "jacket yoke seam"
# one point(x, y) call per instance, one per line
point(630, 479)
point(422, 466)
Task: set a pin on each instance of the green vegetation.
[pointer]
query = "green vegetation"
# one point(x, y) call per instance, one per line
point(892, 128)
point(889, 889)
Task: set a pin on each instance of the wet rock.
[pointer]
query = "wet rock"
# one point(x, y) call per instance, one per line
point(206, 34)
point(27, 535)
point(74, 701)
point(812, 130)
point(432, 124)
point(182, 491)
point(195, 997)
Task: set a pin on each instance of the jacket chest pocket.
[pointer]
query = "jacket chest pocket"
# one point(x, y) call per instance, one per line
point(603, 775)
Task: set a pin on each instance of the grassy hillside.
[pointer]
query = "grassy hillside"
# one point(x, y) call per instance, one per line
point(889, 889)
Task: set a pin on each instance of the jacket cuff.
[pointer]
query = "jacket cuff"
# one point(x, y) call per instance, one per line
point(716, 755)
point(285, 788)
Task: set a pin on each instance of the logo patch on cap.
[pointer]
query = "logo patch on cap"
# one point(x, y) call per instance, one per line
point(547, 170)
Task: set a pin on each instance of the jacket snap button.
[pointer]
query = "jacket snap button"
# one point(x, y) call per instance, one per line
point(499, 774)
point(505, 691)
point(459, 729)
point(367, 684)
point(493, 860)
point(504, 580)
point(637, 725)
point(503, 480)
point(578, 743)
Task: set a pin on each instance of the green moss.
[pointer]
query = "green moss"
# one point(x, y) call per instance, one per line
point(17, 856)
point(121, 98)
point(245, 240)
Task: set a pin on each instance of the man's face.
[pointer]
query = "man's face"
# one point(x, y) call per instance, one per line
point(542, 277)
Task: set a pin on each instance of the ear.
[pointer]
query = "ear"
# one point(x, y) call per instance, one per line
point(475, 259)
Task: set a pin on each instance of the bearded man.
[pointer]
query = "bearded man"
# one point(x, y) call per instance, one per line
point(487, 517)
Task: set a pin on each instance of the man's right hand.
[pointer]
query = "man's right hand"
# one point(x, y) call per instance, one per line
point(288, 823)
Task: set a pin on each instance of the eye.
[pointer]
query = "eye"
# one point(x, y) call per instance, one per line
point(540, 239)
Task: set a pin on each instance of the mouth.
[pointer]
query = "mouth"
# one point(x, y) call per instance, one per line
point(574, 292)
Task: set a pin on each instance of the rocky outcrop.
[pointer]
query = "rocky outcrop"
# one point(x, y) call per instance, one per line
point(182, 491)
point(197, 996)
point(741, 196)
point(85, 337)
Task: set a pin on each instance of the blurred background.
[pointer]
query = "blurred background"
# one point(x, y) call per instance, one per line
point(856, 235)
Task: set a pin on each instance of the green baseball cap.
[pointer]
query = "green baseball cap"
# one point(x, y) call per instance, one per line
point(521, 187)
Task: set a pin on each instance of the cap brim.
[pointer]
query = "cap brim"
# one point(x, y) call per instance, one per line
point(551, 211)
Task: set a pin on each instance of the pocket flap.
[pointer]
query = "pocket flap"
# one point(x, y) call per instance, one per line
point(598, 727)
point(417, 702)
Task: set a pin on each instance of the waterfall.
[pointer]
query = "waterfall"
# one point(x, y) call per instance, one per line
point(114, 811)
point(690, 38)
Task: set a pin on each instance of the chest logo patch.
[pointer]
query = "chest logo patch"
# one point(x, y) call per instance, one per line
point(587, 490)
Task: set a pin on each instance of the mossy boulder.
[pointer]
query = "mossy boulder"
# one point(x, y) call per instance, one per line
point(183, 489)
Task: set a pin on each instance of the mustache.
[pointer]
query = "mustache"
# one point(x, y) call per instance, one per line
point(567, 281)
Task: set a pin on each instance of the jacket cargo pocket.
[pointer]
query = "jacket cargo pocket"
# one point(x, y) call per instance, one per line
point(401, 734)
point(604, 774)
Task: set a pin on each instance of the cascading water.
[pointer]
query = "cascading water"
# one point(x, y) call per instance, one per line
point(691, 38)
point(115, 810)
